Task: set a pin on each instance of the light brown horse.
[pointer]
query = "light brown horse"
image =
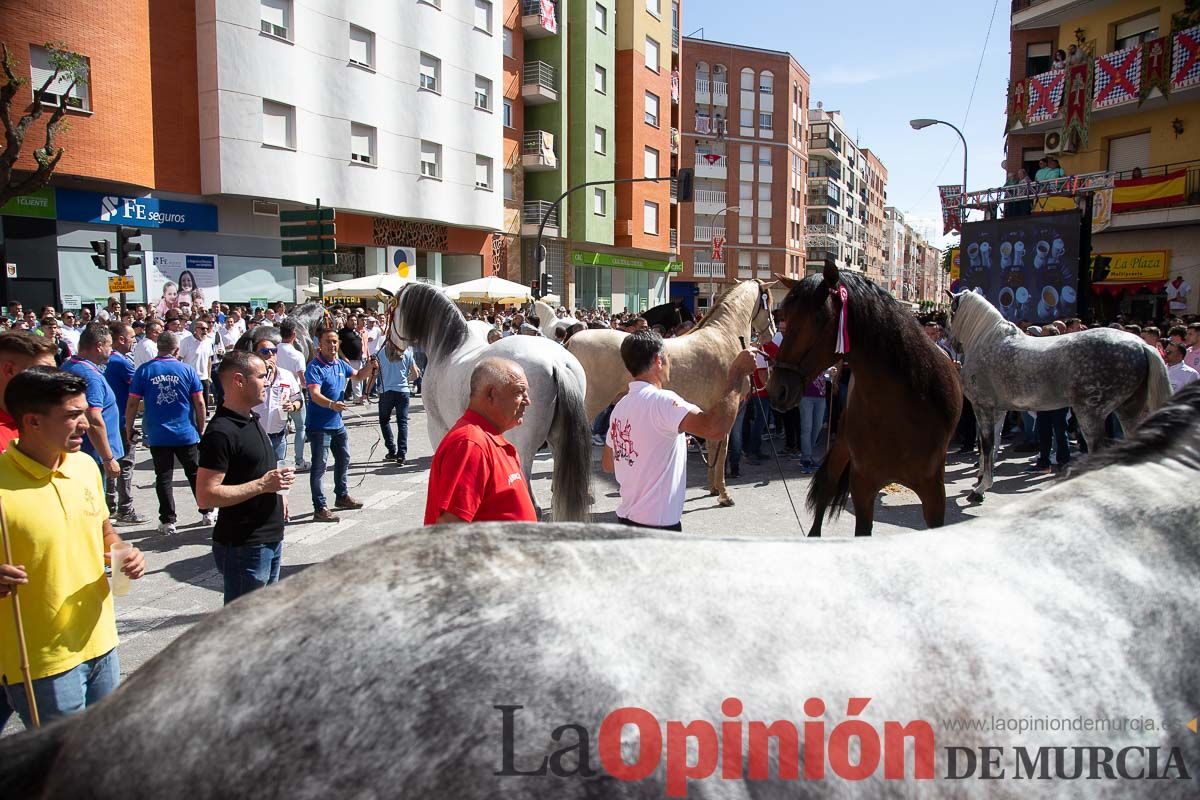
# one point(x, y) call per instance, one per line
point(904, 402)
point(699, 362)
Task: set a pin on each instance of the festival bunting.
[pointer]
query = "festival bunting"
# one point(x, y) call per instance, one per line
point(1018, 103)
point(1156, 68)
point(1079, 102)
point(951, 207)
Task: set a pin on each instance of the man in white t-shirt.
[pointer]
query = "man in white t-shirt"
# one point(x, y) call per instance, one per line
point(645, 446)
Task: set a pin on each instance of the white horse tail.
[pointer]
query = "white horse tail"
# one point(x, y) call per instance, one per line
point(1158, 382)
point(571, 437)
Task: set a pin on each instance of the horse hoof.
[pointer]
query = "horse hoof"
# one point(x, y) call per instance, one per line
point(975, 497)
point(725, 502)
point(712, 492)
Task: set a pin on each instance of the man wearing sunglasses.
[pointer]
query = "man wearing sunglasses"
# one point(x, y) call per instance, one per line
point(282, 395)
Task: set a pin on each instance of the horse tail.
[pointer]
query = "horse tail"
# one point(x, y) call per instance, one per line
point(1157, 389)
point(26, 760)
point(829, 492)
point(571, 433)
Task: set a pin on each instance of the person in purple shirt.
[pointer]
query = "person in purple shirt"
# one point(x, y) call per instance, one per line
point(119, 374)
point(172, 422)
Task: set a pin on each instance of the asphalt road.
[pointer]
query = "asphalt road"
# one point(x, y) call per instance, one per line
point(182, 584)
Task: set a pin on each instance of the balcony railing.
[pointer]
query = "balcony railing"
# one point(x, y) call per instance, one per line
point(720, 93)
point(534, 210)
point(705, 233)
point(821, 168)
point(708, 269)
point(675, 140)
point(537, 151)
point(709, 197)
point(538, 84)
point(714, 163)
point(674, 190)
point(821, 142)
point(534, 23)
point(673, 239)
point(675, 39)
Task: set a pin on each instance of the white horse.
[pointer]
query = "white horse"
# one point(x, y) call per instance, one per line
point(699, 360)
point(1095, 372)
point(422, 315)
point(548, 321)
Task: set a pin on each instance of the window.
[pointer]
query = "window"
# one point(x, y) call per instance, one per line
point(431, 160)
point(431, 73)
point(507, 36)
point(652, 54)
point(1128, 152)
point(362, 143)
point(601, 18)
point(745, 228)
point(650, 163)
point(483, 173)
point(41, 68)
point(747, 80)
point(508, 113)
point(601, 79)
point(510, 191)
point(764, 156)
point(600, 203)
point(601, 140)
point(276, 18)
point(362, 47)
point(743, 261)
point(746, 117)
point(1039, 58)
point(651, 109)
point(654, 7)
point(1136, 31)
point(746, 153)
point(279, 124)
point(650, 218)
point(483, 93)
point(764, 264)
point(766, 82)
point(745, 193)
point(483, 16)
point(766, 121)
point(764, 192)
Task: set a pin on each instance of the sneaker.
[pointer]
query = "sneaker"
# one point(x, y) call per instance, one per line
point(347, 502)
point(131, 518)
point(1038, 469)
point(166, 528)
point(303, 466)
point(324, 515)
point(390, 457)
point(208, 518)
point(399, 461)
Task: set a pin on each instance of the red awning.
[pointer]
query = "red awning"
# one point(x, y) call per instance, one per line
point(1114, 289)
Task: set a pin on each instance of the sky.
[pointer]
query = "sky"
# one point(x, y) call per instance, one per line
point(882, 63)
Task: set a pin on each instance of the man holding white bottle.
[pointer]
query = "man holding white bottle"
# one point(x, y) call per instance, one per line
point(240, 475)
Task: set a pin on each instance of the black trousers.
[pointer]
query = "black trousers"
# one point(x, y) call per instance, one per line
point(164, 476)
point(1052, 429)
point(678, 526)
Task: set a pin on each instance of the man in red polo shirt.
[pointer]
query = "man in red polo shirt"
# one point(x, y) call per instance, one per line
point(476, 475)
point(18, 352)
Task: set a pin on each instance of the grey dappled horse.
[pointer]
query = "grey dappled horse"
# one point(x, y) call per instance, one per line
point(376, 674)
point(1095, 372)
point(421, 314)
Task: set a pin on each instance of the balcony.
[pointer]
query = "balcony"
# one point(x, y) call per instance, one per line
point(703, 92)
point(710, 165)
point(1174, 199)
point(673, 240)
point(823, 143)
point(708, 201)
point(675, 141)
point(538, 85)
point(674, 40)
point(534, 23)
point(674, 190)
point(821, 168)
point(537, 152)
point(705, 233)
point(720, 93)
point(708, 269)
point(531, 218)
point(1049, 13)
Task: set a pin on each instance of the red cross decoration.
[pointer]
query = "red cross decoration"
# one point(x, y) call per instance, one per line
point(1116, 76)
point(1156, 70)
point(1042, 94)
point(1018, 103)
point(1190, 44)
point(718, 251)
point(1079, 106)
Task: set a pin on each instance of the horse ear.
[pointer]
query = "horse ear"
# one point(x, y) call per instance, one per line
point(386, 291)
point(949, 293)
point(786, 281)
point(832, 276)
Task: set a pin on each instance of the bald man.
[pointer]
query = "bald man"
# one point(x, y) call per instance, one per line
point(476, 475)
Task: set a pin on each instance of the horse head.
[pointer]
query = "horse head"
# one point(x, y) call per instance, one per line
point(810, 324)
point(763, 321)
point(420, 314)
point(393, 335)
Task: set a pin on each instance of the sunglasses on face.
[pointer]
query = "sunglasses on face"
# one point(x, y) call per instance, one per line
point(267, 351)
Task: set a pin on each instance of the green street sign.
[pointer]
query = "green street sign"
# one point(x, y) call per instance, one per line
point(323, 229)
point(307, 245)
point(308, 215)
point(310, 260)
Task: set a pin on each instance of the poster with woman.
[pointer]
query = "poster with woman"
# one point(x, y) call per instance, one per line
point(181, 281)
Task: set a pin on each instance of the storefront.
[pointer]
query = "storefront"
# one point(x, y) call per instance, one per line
point(1136, 287)
point(618, 283)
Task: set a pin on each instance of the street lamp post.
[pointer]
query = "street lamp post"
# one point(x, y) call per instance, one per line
point(918, 124)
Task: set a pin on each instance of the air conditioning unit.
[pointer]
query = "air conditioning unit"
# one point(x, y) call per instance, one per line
point(1057, 142)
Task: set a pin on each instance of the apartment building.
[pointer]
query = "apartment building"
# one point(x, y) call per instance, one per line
point(910, 266)
point(745, 134)
point(1145, 135)
point(875, 201)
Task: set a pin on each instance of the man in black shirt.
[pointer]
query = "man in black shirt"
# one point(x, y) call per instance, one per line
point(239, 475)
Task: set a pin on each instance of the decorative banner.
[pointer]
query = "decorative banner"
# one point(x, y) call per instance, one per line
point(951, 208)
point(1079, 102)
point(1156, 73)
point(1185, 59)
point(1156, 191)
point(1045, 95)
point(1117, 75)
point(1018, 103)
point(955, 263)
point(1101, 210)
point(547, 16)
point(176, 279)
point(718, 248)
point(712, 158)
point(674, 86)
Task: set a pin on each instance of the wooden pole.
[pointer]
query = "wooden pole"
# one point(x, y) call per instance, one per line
point(21, 649)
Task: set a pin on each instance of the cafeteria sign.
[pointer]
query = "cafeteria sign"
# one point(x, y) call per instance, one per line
point(1142, 266)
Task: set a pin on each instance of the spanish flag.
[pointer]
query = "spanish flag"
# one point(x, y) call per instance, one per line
point(1141, 194)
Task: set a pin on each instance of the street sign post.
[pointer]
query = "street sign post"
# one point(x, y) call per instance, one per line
point(309, 240)
point(121, 284)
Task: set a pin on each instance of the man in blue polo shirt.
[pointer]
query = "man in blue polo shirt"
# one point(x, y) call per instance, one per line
point(326, 378)
point(103, 442)
point(172, 423)
point(119, 374)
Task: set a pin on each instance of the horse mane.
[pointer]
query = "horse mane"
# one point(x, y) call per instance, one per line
point(1174, 428)
point(718, 302)
point(431, 320)
point(976, 318)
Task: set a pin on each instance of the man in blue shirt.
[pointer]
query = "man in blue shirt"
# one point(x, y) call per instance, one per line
point(103, 442)
point(326, 378)
point(394, 370)
point(172, 423)
point(119, 374)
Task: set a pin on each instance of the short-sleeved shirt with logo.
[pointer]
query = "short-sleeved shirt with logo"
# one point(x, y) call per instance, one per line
point(477, 476)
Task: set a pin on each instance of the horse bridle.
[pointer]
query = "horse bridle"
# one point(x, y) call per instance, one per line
point(788, 367)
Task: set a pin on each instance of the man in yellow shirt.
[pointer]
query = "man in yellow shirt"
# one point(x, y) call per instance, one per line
point(60, 533)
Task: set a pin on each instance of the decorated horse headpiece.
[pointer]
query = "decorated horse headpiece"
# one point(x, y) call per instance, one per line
point(833, 282)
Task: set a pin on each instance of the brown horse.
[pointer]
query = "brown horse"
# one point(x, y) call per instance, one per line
point(904, 401)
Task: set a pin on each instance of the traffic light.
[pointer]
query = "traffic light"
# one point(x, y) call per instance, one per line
point(101, 257)
point(683, 189)
point(534, 287)
point(547, 284)
point(127, 250)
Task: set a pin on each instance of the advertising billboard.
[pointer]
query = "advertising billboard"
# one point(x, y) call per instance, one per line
point(181, 281)
point(1025, 266)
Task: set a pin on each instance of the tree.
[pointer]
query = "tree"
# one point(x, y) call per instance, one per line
point(66, 64)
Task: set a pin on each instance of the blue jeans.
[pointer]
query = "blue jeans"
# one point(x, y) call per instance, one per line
point(248, 567)
point(398, 402)
point(761, 412)
point(734, 458)
point(68, 692)
point(600, 424)
point(279, 444)
point(812, 416)
point(1052, 429)
point(297, 418)
point(339, 442)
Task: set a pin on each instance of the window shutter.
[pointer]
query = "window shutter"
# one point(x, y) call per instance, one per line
point(1128, 152)
point(360, 140)
point(360, 45)
point(275, 12)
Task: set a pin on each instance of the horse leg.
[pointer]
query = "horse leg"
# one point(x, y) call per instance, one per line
point(1091, 426)
point(988, 422)
point(864, 491)
point(718, 450)
point(824, 487)
point(932, 492)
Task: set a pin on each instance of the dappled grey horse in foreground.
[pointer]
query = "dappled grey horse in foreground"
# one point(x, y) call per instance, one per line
point(424, 664)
